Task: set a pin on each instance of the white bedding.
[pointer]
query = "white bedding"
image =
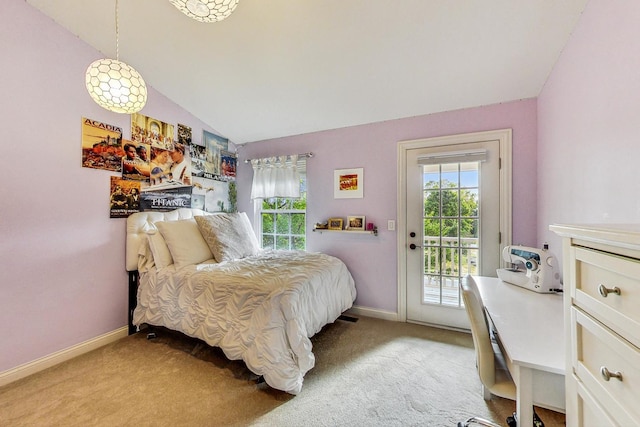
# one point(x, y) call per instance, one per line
point(262, 309)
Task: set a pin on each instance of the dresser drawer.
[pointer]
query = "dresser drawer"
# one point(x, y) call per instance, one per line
point(597, 349)
point(598, 277)
point(590, 413)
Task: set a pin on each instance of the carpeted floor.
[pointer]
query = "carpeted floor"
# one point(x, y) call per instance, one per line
point(368, 373)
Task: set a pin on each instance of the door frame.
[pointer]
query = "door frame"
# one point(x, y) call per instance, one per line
point(504, 136)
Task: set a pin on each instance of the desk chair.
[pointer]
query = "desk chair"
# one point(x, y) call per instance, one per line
point(491, 365)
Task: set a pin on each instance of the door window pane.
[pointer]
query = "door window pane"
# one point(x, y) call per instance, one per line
point(451, 224)
point(450, 202)
point(469, 174)
point(450, 175)
point(432, 203)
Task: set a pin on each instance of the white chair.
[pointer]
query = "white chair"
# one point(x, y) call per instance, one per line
point(494, 375)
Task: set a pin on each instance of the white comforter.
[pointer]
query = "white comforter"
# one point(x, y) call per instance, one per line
point(261, 309)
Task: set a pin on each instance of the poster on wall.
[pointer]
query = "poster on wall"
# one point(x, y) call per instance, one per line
point(228, 166)
point(198, 158)
point(180, 164)
point(101, 145)
point(197, 201)
point(206, 157)
point(124, 197)
point(147, 130)
point(210, 195)
point(160, 166)
point(135, 163)
point(165, 198)
point(184, 134)
point(181, 156)
point(170, 167)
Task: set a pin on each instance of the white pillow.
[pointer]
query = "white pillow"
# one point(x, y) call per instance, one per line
point(145, 257)
point(159, 248)
point(229, 236)
point(186, 244)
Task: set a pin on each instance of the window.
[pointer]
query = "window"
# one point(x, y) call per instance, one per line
point(451, 229)
point(283, 221)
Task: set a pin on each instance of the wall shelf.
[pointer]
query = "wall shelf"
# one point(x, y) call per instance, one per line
point(326, 230)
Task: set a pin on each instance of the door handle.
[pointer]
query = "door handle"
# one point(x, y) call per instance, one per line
point(413, 246)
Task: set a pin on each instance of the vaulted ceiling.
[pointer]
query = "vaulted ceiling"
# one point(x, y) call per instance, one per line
point(285, 67)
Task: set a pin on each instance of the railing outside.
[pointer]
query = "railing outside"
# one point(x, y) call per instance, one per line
point(446, 260)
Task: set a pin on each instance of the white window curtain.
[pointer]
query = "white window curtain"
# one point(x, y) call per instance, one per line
point(275, 177)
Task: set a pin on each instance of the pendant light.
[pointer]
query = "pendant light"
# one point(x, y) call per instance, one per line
point(114, 85)
point(206, 10)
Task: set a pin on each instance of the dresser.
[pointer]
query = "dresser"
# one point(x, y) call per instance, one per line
point(601, 269)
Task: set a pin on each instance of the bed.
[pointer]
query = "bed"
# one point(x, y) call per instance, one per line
point(204, 275)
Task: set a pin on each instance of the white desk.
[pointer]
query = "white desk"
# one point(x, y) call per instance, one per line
point(530, 327)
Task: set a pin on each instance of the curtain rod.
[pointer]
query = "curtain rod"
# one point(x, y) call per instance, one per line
point(303, 155)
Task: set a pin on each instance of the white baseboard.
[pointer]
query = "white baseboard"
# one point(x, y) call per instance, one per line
point(53, 359)
point(373, 312)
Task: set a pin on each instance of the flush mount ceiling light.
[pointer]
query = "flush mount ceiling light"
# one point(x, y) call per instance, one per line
point(114, 85)
point(206, 10)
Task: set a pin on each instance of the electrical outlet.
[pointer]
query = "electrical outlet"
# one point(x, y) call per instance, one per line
point(391, 225)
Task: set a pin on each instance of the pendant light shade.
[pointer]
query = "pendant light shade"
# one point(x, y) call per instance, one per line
point(206, 10)
point(116, 86)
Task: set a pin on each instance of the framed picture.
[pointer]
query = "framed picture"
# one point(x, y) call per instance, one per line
point(355, 223)
point(348, 183)
point(335, 223)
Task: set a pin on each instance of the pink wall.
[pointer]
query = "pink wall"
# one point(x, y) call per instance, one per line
point(63, 277)
point(589, 123)
point(372, 260)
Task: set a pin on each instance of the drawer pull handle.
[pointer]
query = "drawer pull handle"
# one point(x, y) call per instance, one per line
point(607, 374)
point(604, 291)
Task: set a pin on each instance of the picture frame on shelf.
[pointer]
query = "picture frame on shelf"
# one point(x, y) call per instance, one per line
point(335, 224)
point(348, 183)
point(356, 223)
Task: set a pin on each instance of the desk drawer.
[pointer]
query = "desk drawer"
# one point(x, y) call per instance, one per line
point(597, 348)
point(597, 271)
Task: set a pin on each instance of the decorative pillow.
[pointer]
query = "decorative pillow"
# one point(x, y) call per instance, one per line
point(184, 241)
point(159, 249)
point(229, 236)
point(145, 257)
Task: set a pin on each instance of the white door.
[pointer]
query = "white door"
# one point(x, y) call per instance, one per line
point(453, 215)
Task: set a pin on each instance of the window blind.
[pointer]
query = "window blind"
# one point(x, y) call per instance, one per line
point(453, 157)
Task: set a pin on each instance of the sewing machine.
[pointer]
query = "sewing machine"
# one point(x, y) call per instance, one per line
point(540, 272)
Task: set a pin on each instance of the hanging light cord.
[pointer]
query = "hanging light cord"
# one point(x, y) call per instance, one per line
point(117, 35)
point(114, 85)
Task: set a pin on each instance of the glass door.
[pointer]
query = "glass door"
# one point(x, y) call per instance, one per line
point(453, 222)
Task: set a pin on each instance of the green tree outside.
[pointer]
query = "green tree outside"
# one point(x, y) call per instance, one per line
point(452, 212)
point(284, 222)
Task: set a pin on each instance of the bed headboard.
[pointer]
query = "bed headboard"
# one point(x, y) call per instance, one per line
point(138, 224)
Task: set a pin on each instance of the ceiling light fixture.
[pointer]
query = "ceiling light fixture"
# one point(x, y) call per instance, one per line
point(114, 85)
point(206, 10)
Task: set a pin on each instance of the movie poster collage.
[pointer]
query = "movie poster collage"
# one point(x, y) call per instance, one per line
point(161, 168)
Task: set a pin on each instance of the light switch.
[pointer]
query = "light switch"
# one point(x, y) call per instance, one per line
point(391, 225)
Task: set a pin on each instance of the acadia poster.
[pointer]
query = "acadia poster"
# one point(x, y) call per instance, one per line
point(101, 145)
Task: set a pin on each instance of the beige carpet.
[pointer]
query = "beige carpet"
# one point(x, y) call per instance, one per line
point(368, 373)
